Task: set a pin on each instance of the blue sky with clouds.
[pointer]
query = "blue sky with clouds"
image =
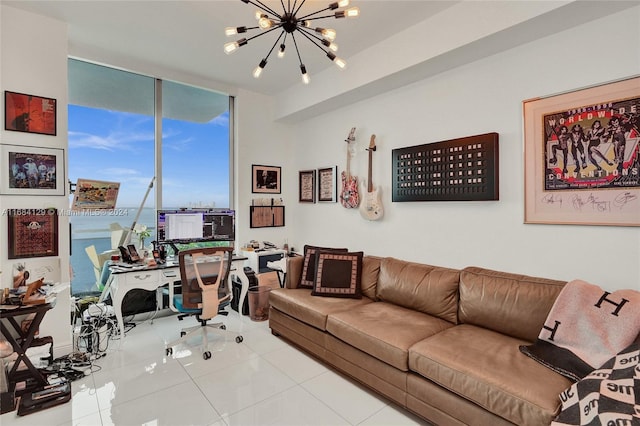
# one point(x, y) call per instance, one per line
point(119, 147)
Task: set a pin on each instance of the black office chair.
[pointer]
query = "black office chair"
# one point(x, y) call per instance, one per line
point(204, 274)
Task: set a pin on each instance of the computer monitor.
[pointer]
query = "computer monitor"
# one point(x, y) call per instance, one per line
point(195, 225)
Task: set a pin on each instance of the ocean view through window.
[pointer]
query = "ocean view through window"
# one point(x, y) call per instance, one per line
point(113, 117)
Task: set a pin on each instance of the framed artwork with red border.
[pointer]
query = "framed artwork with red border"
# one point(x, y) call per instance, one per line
point(29, 113)
point(32, 232)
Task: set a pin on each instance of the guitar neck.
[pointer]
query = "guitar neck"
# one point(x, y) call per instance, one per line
point(369, 174)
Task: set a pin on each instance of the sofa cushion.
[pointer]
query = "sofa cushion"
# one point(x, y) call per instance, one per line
point(338, 274)
point(384, 330)
point(309, 264)
point(424, 288)
point(300, 304)
point(513, 304)
point(488, 368)
point(370, 272)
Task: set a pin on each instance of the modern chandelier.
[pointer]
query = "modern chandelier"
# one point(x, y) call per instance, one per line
point(288, 22)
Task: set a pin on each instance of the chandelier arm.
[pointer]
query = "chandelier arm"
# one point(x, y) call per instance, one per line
point(299, 7)
point(295, 43)
point(317, 11)
point(310, 33)
point(314, 42)
point(263, 7)
point(274, 45)
point(265, 32)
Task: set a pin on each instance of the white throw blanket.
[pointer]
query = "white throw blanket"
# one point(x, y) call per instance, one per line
point(586, 327)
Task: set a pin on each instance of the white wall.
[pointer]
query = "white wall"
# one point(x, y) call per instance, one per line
point(484, 96)
point(35, 62)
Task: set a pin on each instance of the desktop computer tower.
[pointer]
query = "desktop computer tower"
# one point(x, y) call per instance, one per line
point(236, 288)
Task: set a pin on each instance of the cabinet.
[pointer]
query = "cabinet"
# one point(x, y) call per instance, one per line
point(257, 260)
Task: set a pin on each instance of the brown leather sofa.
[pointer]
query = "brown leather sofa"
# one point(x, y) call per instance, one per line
point(440, 342)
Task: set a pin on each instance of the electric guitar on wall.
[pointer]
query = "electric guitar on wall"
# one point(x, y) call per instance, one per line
point(371, 206)
point(349, 197)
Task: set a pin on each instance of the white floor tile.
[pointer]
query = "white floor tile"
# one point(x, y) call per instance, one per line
point(295, 363)
point(392, 415)
point(348, 399)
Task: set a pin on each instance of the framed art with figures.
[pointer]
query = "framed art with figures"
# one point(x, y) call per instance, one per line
point(582, 161)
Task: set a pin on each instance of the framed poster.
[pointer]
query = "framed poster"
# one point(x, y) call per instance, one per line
point(581, 156)
point(95, 195)
point(32, 233)
point(29, 113)
point(28, 170)
point(307, 186)
point(265, 179)
point(327, 184)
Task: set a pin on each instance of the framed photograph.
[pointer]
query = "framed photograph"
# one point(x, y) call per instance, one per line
point(28, 170)
point(582, 161)
point(265, 179)
point(32, 233)
point(327, 184)
point(29, 113)
point(307, 188)
point(266, 217)
point(95, 195)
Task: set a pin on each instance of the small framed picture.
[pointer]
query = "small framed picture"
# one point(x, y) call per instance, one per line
point(28, 170)
point(266, 216)
point(307, 189)
point(265, 179)
point(327, 184)
point(29, 113)
point(32, 232)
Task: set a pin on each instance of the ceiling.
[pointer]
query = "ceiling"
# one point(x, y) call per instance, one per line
point(187, 37)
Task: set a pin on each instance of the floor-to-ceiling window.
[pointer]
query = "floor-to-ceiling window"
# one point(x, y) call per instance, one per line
point(134, 129)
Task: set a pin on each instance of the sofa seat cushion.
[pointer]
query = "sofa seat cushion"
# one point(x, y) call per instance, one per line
point(488, 368)
point(384, 331)
point(313, 310)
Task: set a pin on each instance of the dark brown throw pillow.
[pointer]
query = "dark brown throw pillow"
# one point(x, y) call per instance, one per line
point(308, 276)
point(338, 274)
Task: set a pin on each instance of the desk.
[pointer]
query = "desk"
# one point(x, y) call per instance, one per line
point(25, 338)
point(121, 282)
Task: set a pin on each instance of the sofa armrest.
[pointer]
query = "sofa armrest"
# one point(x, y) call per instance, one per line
point(294, 271)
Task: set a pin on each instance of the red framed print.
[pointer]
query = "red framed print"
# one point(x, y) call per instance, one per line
point(29, 113)
point(582, 156)
point(32, 232)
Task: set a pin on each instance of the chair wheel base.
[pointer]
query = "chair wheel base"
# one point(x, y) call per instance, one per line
point(239, 339)
point(206, 355)
point(168, 351)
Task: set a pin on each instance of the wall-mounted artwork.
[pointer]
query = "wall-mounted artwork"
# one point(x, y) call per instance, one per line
point(28, 170)
point(265, 179)
point(32, 232)
point(307, 186)
point(95, 195)
point(266, 217)
point(29, 113)
point(328, 184)
point(463, 169)
point(582, 162)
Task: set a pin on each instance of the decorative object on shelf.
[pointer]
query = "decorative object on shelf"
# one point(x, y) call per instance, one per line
point(582, 156)
point(371, 205)
point(328, 184)
point(142, 232)
point(265, 179)
point(288, 22)
point(307, 186)
point(28, 113)
point(266, 216)
point(349, 197)
point(31, 170)
point(32, 232)
point(464, 169)
point(92, 194)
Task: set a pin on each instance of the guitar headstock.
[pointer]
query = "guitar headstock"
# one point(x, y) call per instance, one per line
point(351, 136)
point(372, 143)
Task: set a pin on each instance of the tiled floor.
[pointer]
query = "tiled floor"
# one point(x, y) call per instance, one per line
point(261, 381)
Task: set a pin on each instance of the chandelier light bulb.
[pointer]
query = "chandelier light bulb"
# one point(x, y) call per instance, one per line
point(258, 71)
point(306, 24)
point(353, 12)
point(233, 46)
point(327, 33)
point(340, 63)
point(305, 75)
point(265, 23)
point(281, 51)
point(259, 14)
point(332, 46)
point(343, 3)
point(229, 31)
